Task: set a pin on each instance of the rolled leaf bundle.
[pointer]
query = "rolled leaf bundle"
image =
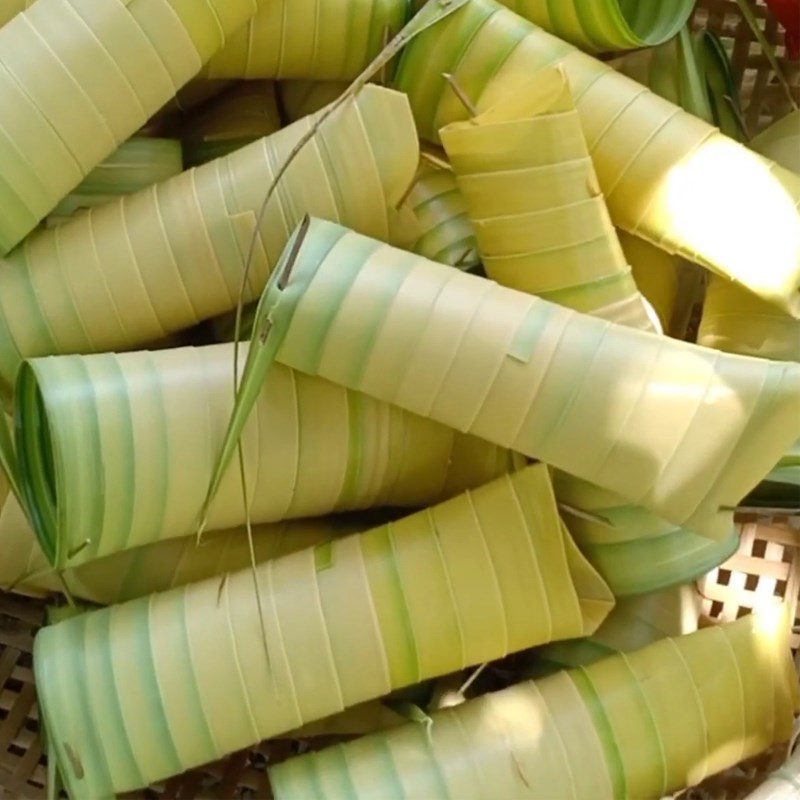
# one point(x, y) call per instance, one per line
point(542, 227)
point(300, 98)
point(342, 623)
point(694, 72)
point(781, 141)
point(696, 75)
point(243, 113)
point(602, 25)
point(734, 319)
point(79, 78)
point(147, 427)
point(608, 404)
point(332, 40)
point(648, 563)
point(446, 233)
point(134, 165)
point(541, 222)
point(167, 257)
point(737, 321)
point(635, 726)
point(633, 623)
point(666, 175)
point(152, 568)
point(657, 276)
point(635, 550)
point(609, 24)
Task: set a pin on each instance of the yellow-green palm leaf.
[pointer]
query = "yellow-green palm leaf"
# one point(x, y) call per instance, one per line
point(673, 72)
point(665, 174)
point(603, 25)
point(600, 25)
point(169, 256)
point(542, 227)
point(738, 321)
point(134, 165)
point(152, 568)
point(243, 113)
point(628, 727)
point(634, 622)
point(781, 141)
point(80, 78)
point(327, 40)
point(635, 550)
point(657, 276)
point(145, 690)
point(446, 233)
point(734, 319)
point(147, 427)
point(605, 403)
point(540, 219)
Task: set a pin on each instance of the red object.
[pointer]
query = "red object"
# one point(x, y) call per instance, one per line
point(788, 14)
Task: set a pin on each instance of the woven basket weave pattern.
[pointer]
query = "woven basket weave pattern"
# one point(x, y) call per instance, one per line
point(22, 770)
point(764, 100)
point(766, 565)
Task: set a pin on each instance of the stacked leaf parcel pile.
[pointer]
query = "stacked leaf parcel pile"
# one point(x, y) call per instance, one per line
point(326, 388)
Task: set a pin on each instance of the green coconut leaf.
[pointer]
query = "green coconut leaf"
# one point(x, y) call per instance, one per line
point(148, 426)
point(723, 92)
point(606, 25)
point(189, 681)
point(666, 174)
point(138, 163)
point(637, 725)
point(77, 84)
point(363, 314)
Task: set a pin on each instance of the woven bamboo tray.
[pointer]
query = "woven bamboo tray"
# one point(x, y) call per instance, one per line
point(764, 100)
point(767, 563)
